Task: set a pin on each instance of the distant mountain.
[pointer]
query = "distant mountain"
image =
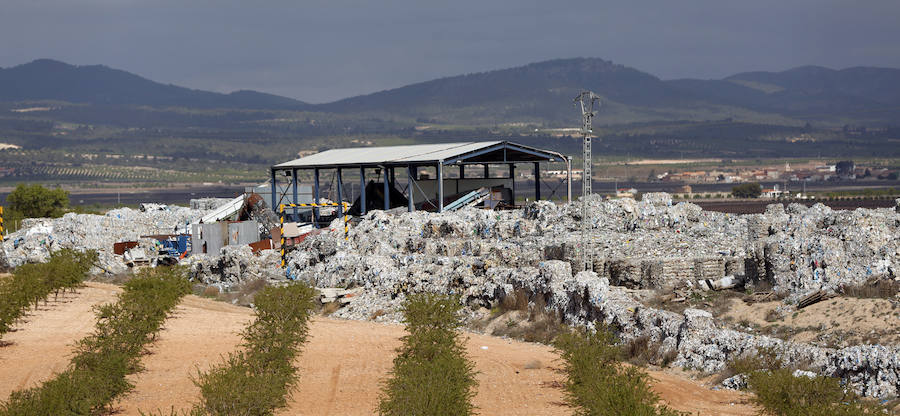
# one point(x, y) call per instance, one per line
point(543, 91)
point(46, 79)
point(539, 93)
point(808, 91)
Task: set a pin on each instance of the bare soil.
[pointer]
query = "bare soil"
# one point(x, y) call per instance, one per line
point(42, 345)
point(342, 365)
point(835, 322)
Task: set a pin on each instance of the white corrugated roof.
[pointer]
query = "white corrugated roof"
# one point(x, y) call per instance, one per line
point(419, 153)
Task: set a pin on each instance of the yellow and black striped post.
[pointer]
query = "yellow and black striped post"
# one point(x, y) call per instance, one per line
point(281, 212)
point(344, 205)
point(1, 224)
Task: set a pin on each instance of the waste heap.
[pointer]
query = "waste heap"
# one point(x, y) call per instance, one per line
point(37, 237)
point(651, 244)
point(486, 255)
point(483, 256)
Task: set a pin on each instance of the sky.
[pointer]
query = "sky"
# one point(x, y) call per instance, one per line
point(321, 51)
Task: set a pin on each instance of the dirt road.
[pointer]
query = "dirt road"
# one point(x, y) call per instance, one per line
point(341, 366)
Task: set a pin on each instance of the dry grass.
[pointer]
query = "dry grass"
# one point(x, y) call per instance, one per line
point(538, 325)
point(642, 351)
point(331, 307)
point(241, 294)
point(715, 301)
point(377, 314)
point(210, 292)
point(517, 301)
point(874, 289)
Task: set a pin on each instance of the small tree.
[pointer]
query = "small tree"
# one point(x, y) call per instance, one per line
point(747, 190)
point(35, 201)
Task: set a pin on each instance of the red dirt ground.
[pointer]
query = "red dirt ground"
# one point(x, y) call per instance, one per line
point(341, 366)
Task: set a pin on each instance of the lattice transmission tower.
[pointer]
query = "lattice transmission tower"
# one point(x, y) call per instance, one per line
point(588, 101)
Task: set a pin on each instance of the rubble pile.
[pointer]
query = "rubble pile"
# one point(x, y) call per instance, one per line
point(234, 265)
point(815, 248)
point(647, 244)
point(483, 256)
point(486, 255)
point(36, 238)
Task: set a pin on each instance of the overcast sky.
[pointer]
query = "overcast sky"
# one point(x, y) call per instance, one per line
point(320, 51)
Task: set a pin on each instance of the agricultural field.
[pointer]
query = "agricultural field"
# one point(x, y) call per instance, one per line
point(340, 368)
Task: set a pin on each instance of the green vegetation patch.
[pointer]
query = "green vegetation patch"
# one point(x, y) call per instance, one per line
point(35, 201)
point(96, 375)
point(258, 380)
point(780, 393)
point(32, 283)
point(598, 383)
point(432, 374)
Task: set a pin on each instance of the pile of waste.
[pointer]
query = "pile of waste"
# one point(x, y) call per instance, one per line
point(36, 238)
point(483, 256)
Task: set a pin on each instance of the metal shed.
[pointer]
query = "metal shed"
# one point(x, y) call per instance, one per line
point(413, 158)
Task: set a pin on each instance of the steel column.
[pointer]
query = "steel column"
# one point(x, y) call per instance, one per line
point(440, 184)
point(487, 171)
point(569, 179)
point(316, 196)
point(387, 195)
point(340, 191)
point(362, 190)
point(274, 190)
point(537, 181)
point(411, 180)
point(462, 171)
point(295, 201)
point(512, 178)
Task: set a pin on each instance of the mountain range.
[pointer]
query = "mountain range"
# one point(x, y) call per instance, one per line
point(536, 93)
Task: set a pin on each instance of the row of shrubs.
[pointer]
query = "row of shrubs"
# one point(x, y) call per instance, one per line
point(32, 283)
point(598, 383)
point(96, 375)
point(258, 379)
point(431, 374)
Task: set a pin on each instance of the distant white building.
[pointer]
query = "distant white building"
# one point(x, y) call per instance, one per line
point(773, 192)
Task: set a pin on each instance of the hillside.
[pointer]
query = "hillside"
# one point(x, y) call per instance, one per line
point(46, 79)
point(808, 92)
point(97, 125)
point(538, 93)
point(541, 93)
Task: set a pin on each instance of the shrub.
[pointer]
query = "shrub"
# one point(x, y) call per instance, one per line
point(257, 381)
point(35, 201)
point(780, 393)
point(432, 374)
point(598, 384)
point(747, 190)
point(96, 375)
